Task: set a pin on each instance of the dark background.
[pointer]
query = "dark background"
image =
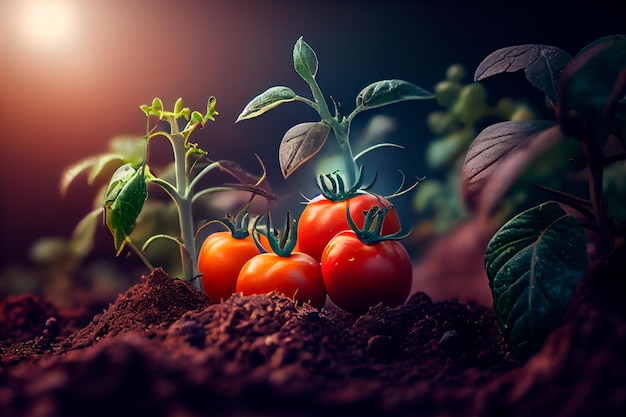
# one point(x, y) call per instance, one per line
point(62, 99)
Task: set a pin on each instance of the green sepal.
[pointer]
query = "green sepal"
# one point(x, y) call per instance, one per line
point(337, 189)
point(371, 232)
point(282, 244)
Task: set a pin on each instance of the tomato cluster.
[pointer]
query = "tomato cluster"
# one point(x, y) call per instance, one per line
point(345, 252)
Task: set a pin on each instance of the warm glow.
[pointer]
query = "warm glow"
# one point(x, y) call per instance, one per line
point(47, 23)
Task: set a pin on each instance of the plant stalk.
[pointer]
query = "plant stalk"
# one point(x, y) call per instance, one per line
point(183, 203)
point(595, 168)
point(341, 131)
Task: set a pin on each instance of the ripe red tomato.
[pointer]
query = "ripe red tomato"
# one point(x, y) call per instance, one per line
point(322, 219)
point(358, 276)
point(221, 258)
point(297, 276)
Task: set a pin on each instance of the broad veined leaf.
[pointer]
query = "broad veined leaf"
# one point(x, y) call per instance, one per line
point(304, 60)
point(123, 202)
point(265, 101)
point(498, 156)
point(542, 64)
point(300, 144)
point(386, 92)
point(593, 81)
point(534, 263)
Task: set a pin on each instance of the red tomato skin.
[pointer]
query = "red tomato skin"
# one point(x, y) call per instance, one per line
point(358, 276)
point(322, 219)
point(220, 261)
point(298, 276)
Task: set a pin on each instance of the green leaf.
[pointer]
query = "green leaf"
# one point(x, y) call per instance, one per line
point(304, 60)
point(534, 263)
point(74, 170)
point(386, 92)
point(300, 144)
point(542, 64)
point(101, 163)
point(178, 106)
point(123, 202)
point(592, 83)
point(265, 101)
point(210, 109)
point(156, 109)
point(499, 155)
point(83, 236)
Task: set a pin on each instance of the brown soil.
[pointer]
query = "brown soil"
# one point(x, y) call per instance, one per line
point(161, 349)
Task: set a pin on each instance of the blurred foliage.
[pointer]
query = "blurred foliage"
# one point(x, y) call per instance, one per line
point(437, 202)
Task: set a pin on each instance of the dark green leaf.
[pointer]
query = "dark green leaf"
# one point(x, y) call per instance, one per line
point(386, 92)
point(592, 83)
point(534, 263)
point(265, 101)
point(498, 156)
point(123, 202)
point(304, 60)
point(300, 144)
point(542, 65)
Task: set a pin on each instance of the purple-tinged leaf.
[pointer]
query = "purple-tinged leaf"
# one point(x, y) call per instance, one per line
point(542, 64)
point(591, 85)
point(498, 156)
point(300, 144)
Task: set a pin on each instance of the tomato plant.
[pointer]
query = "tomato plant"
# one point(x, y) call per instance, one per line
point(361, 268)
point(295, 274)
point(322, 219)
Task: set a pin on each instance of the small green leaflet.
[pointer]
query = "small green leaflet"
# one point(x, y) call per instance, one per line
point(265, 101)
point(534, 263)
point(123, 202)
point(386, 92)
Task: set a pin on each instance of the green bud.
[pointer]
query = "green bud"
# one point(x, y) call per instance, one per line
point(440, 122)
point(455, 73)
point(471, 104)
point(447, 92)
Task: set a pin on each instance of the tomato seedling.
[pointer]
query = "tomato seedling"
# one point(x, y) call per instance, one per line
point(295, 274)
point(305, 140)
point(361, 268)
point(128, 188)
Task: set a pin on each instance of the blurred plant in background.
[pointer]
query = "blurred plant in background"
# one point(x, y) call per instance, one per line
point(437, 201)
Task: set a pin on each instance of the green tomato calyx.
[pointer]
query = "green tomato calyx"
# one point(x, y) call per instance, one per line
point(282, 244)
point(370, 233)
point(336, 191)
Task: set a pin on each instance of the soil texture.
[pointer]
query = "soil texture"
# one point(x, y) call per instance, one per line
point(162, 349)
